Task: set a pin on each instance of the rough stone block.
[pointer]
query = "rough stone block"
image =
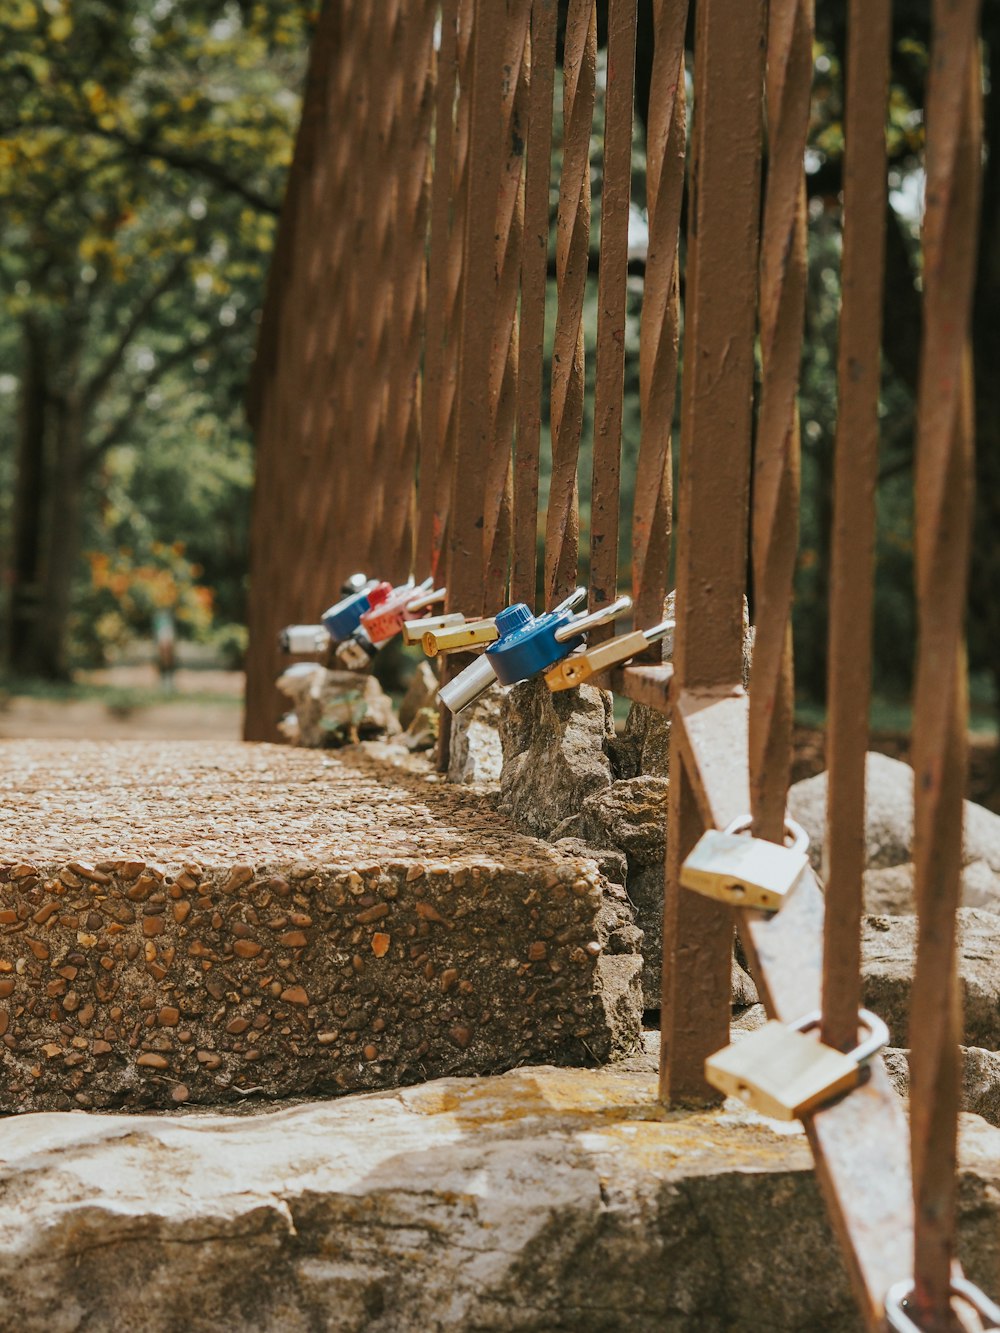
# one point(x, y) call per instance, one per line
point(193, 922)
point(539, 1200)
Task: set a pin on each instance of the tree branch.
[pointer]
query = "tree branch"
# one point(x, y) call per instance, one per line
point(99, 381)
point(114, 432)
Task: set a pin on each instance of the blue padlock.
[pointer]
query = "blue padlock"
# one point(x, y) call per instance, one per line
point(344, 617)
point(527, 643)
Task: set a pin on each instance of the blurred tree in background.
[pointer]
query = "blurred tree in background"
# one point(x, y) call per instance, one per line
point(143, 146)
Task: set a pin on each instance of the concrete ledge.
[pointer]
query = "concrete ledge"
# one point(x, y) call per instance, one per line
point(193, 922)
point(542, 1199)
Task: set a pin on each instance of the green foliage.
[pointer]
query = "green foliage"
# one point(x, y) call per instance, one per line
point(143, 147)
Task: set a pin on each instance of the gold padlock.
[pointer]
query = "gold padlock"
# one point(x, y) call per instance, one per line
point(581, 666)
point(783, 1073)
point(746, 872)
point(459, 638)
point(414, 630)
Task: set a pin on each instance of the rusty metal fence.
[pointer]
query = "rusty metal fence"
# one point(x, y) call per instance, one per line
point(398, 402)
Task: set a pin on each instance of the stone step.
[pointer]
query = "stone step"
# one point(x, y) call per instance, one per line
point(540, 1200)
point(193, 921)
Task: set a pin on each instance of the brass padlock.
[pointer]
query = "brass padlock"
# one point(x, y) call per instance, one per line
point(414, 630)
point(746, 872)
point(581, 666)
point(459, 638)
point(899, 1293)
point(783, 1073)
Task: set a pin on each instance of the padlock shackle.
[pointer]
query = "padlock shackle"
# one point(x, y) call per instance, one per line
point(577, 596)
point(427, 598)
point(896, 1297)
point(659, 631)
point(582, 624)
point(877, 1039)
point(793, 830)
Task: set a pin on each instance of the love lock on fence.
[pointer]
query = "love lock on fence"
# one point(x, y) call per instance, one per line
point(782, 1072)
point(579, 668)
point(527, 645)
point(743, 871)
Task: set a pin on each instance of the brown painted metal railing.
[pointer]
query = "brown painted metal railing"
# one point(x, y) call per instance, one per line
point(398, 407)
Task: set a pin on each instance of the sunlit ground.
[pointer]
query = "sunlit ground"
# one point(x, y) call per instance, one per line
point(128, 701)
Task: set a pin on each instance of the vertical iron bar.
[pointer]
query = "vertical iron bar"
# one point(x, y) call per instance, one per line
point(723, 225)
point(271, 407)
point(562, 524)
point(658, 333)
point(385, 71)
point(504, 356)
point(612, 281)
point(445, 477)
point(354, 484)
point(776, 463)
point(406, 332)
point(437, 305)
point(852, 560)
point(534, 280)
point(943, 517)
point(474, 416)
point(325, 458)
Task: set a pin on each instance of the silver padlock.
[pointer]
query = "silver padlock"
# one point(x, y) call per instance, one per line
point(304, 639)
point(781, 1072)
point(898, 1294)
point(470, 684)
point(356, 653)
point(746, 872)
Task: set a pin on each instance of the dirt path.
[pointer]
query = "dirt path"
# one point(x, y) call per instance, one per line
point(128, 705)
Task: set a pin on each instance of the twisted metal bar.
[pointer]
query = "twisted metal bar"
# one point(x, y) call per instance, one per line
point(534, 278)
point(438, 311)
point(406, 337)
point(658, 334)
point(776, 465)
point(943, 517)
point(562, 525)
point(504, 354)
point(609, 381)
point(852, 582)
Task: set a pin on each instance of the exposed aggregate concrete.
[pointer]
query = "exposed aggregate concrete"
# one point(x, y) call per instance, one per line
point(197, 922)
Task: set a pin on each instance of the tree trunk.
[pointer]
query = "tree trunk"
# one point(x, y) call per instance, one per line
point(65, 528)
point(29, 495)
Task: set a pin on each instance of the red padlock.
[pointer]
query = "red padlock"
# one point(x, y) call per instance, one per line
point(386, 611)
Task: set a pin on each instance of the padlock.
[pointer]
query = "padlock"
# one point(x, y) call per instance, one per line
point(899, 1293)
point(470, 684)
point(426, 597)
point(746, 872)
point(459, 638)
point(357, 652)
point(414, 630)
point(581, 666)
point(529, 644)
point(304, 639)
point(344, 617)
point(783, 1073)
point(388, 608)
